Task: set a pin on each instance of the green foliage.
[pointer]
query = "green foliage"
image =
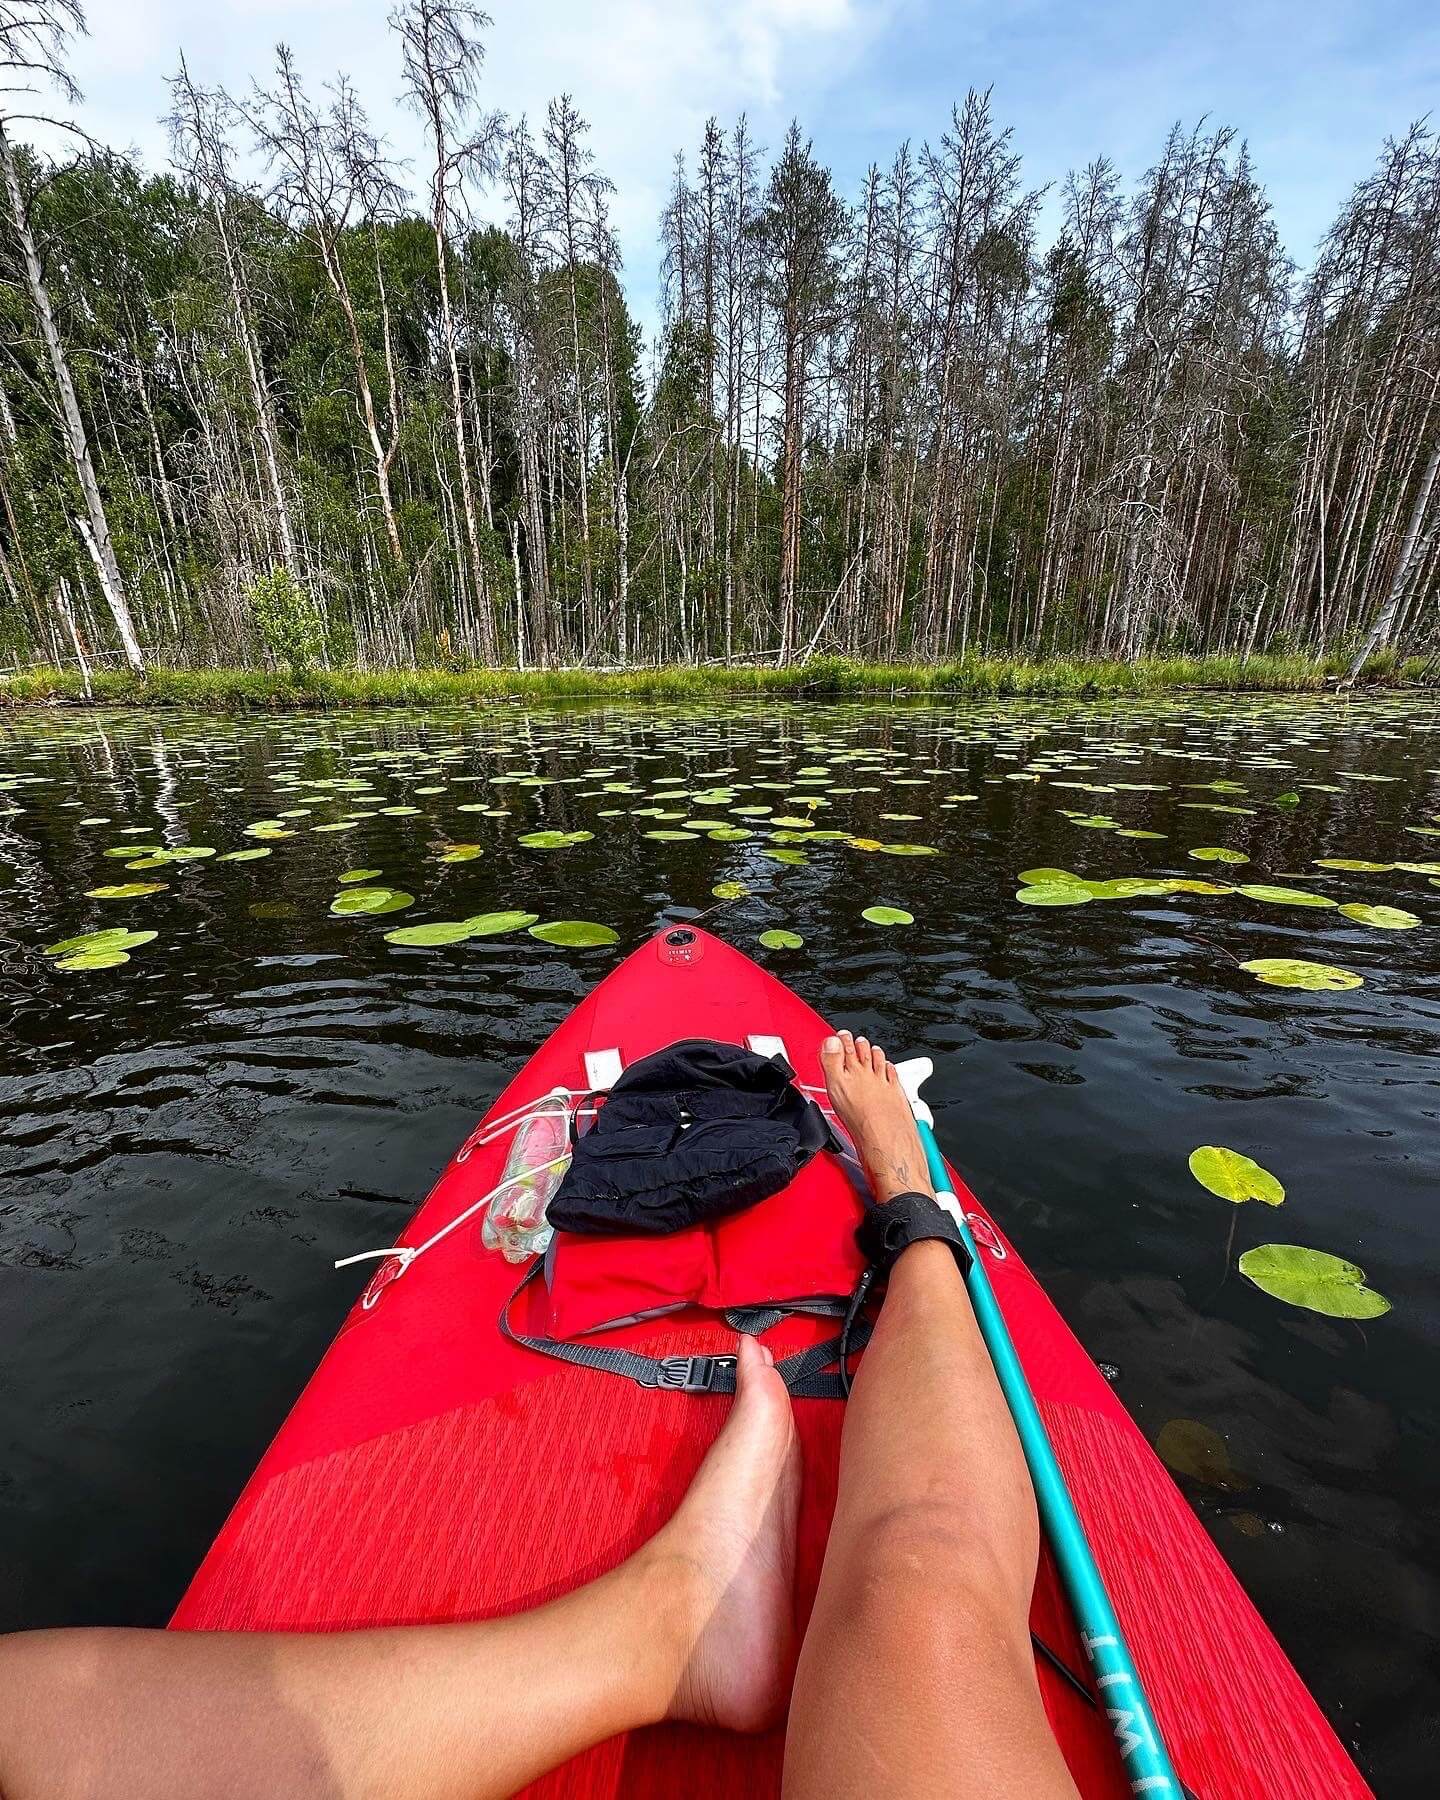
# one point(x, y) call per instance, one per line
point(287, 621)
point(240, 690)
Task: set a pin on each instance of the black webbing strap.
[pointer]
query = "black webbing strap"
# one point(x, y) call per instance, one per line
point(804, 1373)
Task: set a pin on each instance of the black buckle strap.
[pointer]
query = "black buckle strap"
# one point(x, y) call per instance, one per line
point(808, 1374)
point(694, 1374)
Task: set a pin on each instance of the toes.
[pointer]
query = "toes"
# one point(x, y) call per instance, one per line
point(847, 1043)
point(877, 1060)
point(832, 1056)
point(862, 1052)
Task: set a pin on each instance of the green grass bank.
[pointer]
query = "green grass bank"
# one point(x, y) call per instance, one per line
point(237, 690)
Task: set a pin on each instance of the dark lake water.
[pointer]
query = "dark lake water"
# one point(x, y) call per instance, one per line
point(189, 1138)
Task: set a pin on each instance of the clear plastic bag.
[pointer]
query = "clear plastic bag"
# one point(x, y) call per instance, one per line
point(539, 1156)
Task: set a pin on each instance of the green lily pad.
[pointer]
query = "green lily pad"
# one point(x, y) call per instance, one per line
point(1283, 896)
point(575, 934)
point(1233, 1176)
point(352, 876)
point(427, 937)
point(252, 855)
point(371, 900)
point(1218, 853)
point(93, 959)
point(114, 937)
point(124, 851)
point(888, 915)
point(781, 940)
point(1127, 887)
point(337, 825)
point(786, 856)
point(1313, 1279)
point(730, 890)
point(1055, 893)
point(273, 909)
point(1410, 868)
point(1354, 864)
point(554, 840)
point(1292, 972)
point(1384, 918)
point(491, 924)
point(909, 850)
point(1046, 877)
point(126, 890)
point(461, 853)
point(663, 835)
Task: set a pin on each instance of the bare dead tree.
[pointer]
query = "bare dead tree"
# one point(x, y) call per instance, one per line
point(442, 58)
point(34, 35)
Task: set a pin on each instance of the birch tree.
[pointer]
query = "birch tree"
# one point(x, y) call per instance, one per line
point(33, 39)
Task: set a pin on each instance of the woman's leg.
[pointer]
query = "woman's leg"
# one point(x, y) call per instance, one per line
point(916, 1676)
point(696, 1625)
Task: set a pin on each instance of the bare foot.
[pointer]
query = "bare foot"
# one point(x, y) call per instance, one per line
point(870, 1103)
point(735, 1532)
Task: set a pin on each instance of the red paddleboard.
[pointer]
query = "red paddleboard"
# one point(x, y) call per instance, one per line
point(432, 1470)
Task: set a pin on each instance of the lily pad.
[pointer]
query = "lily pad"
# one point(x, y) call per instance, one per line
point(730, 890)
point(888, 915)
point(491, 924)
point(1283, 896)
point(1193, 1449)
point(92, 959)
point(1055, 893)
point(1354, 864)
point(351, 876)
point(554, 840)
point(461, 853)
point(1233, 1176)
point(427, 937)
point(252, 855)
point(1292, 972)
point(781, 940)
point(371, 900)
point(575, 934)
point(1384, 918)
point(114, 937)
point(1046, 877)
point(126, 890)
point(1313, 1279)
point(1218, 853)
point(909, 850)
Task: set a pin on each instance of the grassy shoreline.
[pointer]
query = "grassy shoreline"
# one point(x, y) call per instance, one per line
point(240, 690)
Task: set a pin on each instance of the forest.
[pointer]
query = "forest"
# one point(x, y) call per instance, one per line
point(289, 403)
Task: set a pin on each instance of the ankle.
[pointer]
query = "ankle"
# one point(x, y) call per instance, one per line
point(673, 1603)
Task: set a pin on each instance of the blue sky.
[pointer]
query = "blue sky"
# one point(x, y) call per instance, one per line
point(1314, 87)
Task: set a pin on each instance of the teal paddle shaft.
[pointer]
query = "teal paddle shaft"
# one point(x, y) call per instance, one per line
point(1142, 1749)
